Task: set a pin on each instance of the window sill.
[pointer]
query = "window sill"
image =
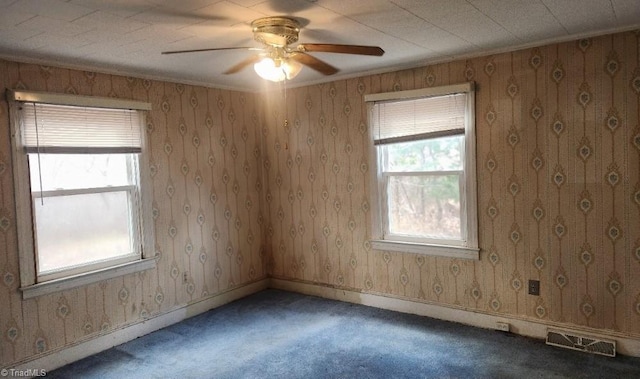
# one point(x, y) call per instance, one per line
point(62, 284)
point(427, 249)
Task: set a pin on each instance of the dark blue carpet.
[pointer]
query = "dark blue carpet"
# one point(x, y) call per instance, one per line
point(277, 334)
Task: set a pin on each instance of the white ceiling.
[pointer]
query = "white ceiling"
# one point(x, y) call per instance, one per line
point(127, 36)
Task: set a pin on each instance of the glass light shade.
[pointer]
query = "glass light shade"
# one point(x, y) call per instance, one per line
point(267, 69)
point(291, 68)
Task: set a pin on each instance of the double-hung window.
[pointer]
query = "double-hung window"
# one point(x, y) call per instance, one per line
point(425, 187)
point(79, 189)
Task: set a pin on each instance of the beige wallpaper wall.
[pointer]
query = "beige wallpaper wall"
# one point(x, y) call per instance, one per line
point(558, 185)
point(205, 167)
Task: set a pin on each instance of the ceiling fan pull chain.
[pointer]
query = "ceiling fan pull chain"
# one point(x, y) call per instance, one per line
point(286, 107)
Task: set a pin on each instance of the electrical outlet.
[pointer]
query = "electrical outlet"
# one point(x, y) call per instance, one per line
point(185, 277)
point(534, 287)
point(502, 326)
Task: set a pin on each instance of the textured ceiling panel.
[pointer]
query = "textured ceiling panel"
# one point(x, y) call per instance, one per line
point(526, 20)
point(128, 36)
point(55, 9)
point(579, 16)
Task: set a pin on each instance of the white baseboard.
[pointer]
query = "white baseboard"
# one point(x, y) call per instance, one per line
point(60, 357)
point(536, 329)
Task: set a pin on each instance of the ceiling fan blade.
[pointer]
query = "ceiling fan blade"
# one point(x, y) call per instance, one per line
point(343, 49)
point(213, 49)
point(240, 66)
point(313, 62)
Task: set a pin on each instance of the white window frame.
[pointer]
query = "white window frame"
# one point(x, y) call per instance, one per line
point(32, 286)
point(381, 239)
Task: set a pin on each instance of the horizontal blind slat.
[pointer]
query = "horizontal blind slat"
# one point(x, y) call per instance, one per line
point(82, 150)
point(417, 137)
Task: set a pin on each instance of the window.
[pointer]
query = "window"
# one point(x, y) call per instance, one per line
point(425, 187)
point(79, 189)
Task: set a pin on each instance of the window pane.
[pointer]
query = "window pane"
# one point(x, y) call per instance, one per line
point(425, 206)
point(98, 229)
point(73, 171)
point(436, 154)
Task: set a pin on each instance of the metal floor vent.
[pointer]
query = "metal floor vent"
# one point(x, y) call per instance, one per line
point(589, 344)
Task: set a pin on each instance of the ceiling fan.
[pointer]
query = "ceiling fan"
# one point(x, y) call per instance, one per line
point(277, 60)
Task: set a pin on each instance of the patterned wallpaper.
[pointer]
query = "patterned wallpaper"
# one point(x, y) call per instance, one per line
point(205, 166)
point(558, 185)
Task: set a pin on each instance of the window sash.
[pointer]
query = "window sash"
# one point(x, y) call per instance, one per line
point(134, 254)
point(134, 214)
point(39, 166)
point(386, 232)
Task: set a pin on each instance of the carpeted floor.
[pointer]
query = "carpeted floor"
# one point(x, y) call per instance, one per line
point(277, 334)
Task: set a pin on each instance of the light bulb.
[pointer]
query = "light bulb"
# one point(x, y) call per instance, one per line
point(268, 70)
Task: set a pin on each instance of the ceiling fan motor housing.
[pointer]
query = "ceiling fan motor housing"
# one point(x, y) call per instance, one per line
point(264, 28)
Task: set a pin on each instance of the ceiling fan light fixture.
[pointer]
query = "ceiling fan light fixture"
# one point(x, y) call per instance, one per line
point(277, 70)
point(280, 61)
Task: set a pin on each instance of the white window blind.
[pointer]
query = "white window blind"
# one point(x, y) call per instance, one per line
point(66, 129)
point(409, 120)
